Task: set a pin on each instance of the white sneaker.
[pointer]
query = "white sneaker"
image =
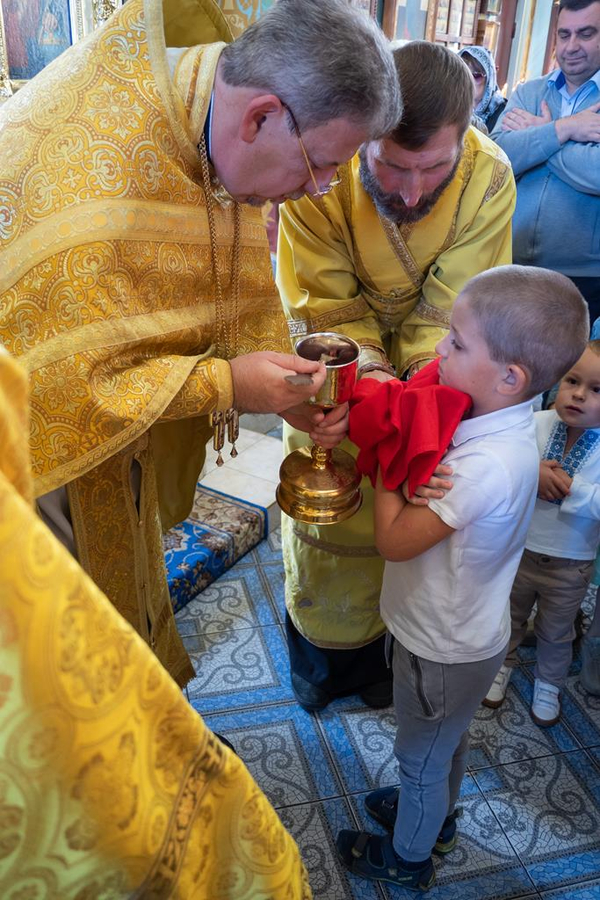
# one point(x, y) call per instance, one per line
point(497, 692)
point(545, 709)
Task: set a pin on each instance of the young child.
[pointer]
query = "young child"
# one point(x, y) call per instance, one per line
point(589, 677)
point(563, 537)
point(451, 564)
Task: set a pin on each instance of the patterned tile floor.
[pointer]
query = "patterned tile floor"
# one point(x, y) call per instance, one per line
point(531, 824)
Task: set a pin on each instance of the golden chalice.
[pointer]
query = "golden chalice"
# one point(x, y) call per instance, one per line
point(319, 486)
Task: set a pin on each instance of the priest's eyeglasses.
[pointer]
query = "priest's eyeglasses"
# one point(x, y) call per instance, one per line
point(319, 191)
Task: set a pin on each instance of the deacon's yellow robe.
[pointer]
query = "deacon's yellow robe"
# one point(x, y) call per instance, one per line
point(111, 786)
point(107, 291)
point(343, 268)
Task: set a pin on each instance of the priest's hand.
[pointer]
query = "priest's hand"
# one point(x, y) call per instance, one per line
point(436, 488)
point(268, 382)
point(327, 429)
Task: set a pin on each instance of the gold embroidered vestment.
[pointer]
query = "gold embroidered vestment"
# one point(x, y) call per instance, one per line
point(107, 293)
point(111, 786)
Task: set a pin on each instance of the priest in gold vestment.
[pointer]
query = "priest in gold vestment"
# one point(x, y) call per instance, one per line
point(111, 784)
point(381, 259)
point(135, 288)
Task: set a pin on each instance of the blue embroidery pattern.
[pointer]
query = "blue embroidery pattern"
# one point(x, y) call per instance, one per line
point(577, 455)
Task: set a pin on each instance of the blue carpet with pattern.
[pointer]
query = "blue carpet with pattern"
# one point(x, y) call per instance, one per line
point(219, 530)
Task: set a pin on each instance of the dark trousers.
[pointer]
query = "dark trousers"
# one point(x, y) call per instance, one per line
point(338, 672)
point(590, 288)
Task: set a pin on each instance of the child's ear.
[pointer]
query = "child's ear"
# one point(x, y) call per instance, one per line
point(515, 381)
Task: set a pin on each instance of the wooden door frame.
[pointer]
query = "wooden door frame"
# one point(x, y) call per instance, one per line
point(551, 41)
point(507, 30)
point(389, 18)
point(508, 19)
point(432, 19)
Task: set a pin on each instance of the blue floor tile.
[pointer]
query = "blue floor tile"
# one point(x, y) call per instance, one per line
point(580, 711)
point(548, 809)
point(239, 599)
point(361, 741)
point(238, 668)
point(594, 752)
point(284, 749)
point(508, 734)
point(315, 826)
point(269, 551)
point(588, 891)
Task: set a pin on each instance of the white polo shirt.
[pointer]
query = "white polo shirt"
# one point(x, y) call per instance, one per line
point(451, 603)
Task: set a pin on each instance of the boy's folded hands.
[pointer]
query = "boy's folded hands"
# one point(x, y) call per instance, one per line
point(554, 483)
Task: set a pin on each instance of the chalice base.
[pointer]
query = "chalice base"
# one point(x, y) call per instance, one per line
point(319, 495)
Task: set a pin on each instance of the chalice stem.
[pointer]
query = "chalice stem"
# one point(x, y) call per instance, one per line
point(320, 456)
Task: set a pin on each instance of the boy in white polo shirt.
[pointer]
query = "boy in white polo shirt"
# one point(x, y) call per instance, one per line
point(451, 564)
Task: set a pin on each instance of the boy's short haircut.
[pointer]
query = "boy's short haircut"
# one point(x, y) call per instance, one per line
point(594, 346)
point(533, 317)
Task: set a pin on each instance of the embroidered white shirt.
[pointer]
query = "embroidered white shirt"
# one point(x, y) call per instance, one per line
point(569, 529)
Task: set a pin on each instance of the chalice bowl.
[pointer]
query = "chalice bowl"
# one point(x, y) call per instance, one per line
point(319, 486)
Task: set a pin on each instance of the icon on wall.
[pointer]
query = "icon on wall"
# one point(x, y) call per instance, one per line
point(34, 32)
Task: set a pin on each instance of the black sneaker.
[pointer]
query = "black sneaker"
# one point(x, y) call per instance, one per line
point(382, 805)
point(373, 856)
point(309, 696)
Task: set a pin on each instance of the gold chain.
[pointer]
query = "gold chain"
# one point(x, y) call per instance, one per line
point(226, 334)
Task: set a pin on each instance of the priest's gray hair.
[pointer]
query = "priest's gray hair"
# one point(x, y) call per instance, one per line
point(322, 58)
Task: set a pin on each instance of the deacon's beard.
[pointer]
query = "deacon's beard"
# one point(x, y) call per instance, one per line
point(392, 206)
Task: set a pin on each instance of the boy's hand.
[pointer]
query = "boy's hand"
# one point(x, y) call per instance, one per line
point(328, 429)
point(554, 482)
point(435, 489)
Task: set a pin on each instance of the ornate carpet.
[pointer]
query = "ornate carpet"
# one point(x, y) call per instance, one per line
point(218, 532)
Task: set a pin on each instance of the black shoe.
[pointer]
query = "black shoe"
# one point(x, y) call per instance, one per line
point(373, 856)
point(382, 805)
point(379, 695)
point(309, 696)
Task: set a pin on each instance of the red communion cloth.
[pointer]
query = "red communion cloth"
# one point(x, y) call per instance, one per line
point(404, 427)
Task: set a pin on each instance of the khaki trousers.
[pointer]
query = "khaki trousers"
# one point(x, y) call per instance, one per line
point(557, 586)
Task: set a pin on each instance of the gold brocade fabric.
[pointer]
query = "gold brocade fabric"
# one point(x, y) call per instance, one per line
point(107, 290)
point(341, 267)
point(106, 284)
point(111, 786)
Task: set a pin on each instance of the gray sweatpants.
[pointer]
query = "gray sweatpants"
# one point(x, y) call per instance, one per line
point(434, 703)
